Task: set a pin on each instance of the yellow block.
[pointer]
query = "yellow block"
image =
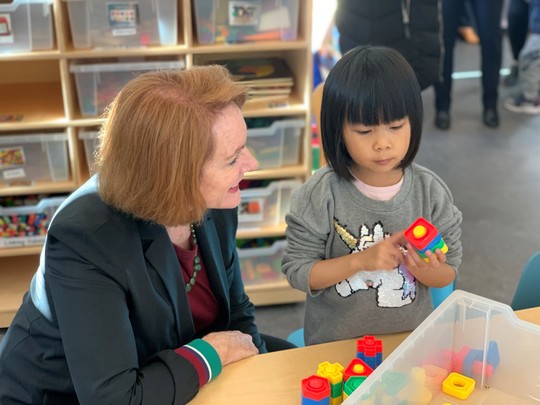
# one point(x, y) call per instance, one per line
point(458, 385)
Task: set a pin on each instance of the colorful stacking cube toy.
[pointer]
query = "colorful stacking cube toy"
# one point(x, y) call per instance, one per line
point(369, 350)
point(333, 384)
point(423, 236)
point(333, 372)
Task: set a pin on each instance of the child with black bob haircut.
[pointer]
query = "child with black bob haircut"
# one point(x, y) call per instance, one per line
point(361, 203)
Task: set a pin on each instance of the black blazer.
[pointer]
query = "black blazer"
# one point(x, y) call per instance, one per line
point(118, 309)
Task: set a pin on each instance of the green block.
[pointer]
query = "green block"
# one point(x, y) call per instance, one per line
point(353, 383)
point(336, 390)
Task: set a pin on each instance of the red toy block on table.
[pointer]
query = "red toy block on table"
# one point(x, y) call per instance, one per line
point(357, 368)
point(369, 350)
point(315, 390)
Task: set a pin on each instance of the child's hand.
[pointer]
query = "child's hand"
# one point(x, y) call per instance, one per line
point(383, 255)
point(416, 264)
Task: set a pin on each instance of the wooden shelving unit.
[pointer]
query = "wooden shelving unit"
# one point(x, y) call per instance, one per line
point(40, 87)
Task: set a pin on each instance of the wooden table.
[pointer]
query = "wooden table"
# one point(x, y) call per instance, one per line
point(274, 378)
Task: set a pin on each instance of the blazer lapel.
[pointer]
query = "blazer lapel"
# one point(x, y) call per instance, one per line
point(161, 255)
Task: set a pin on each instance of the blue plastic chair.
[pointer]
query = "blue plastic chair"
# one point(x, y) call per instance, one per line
point(527, 295)
point(438, 295)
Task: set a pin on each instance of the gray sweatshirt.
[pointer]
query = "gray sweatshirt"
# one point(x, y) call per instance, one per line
point(330, 218)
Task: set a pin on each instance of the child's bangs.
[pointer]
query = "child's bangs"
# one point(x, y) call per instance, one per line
point(378, 101)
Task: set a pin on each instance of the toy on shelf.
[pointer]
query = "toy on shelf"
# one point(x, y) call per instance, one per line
point(423, 236)
point(369, 350)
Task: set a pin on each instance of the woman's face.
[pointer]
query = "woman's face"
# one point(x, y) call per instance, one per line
point(231, 159)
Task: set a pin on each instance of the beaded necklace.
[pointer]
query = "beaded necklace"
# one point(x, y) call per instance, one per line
point(196, 261)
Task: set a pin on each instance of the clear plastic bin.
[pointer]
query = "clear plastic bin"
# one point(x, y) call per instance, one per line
point(123, 23)
point(98, 83)
point(262, 264)
point(277, 145)
point(90, 139)
point(26, 25)
point(25, 159)
point(27, 226)
point(265, 206)
point(481, 338)
point(246, 21)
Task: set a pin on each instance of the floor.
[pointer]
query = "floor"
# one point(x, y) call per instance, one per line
point(494, 175)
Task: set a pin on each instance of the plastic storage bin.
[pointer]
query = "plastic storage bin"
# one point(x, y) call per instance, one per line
point(27, 226)
point(262, 264)
point(246, 21)
point(480, 338)
point(98, 83)
point(122, 23)
point(90, 139)
point(26, 25)
point(25, 159)
point(277, 145)
point(265, 206)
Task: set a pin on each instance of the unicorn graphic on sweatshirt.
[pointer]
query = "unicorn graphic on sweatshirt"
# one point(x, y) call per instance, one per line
point(395, 288)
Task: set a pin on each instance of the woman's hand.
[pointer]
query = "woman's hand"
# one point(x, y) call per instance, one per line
point(231, 345)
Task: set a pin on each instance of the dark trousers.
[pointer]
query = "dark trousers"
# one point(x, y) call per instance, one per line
point(275, 344)
point(518, 25)
point(487, 15)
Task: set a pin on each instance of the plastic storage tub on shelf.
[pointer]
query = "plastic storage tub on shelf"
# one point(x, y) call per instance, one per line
point(262, 264)
point(265, 206)
point(229, 21)
point(27, 225)
point(90, 139)
point(480, 339)
point(98, 83)
point(26, 25)
point(277, 145)
point(25, 159)
point(123, 23)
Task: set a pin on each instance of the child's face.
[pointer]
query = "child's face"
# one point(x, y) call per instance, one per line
point(377, 151)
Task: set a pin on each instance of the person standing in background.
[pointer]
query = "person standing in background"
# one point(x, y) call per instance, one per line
point(409, 26)
point(488, 19)
point(528, 101)
point(518, 29)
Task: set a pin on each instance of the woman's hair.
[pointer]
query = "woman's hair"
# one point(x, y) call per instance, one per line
point(369, 85)
point(156, 139)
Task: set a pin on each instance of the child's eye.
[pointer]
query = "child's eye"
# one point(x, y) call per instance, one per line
point(396, 127)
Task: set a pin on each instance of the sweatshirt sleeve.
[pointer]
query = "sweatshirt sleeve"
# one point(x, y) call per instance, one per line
point(308, 227)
